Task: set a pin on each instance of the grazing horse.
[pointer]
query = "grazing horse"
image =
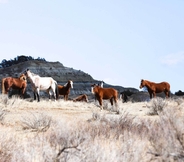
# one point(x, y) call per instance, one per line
point(124, 97)
point(154, 88)
point(104, 93)
point(14, 83)
point(42, 83)
point(65, 90)
point(81, 98)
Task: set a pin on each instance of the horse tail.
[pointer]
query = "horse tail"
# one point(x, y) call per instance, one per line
point(3, 87)
point(56, 90)
point(169, 91)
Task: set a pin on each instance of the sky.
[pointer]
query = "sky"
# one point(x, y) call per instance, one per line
point(117, 41)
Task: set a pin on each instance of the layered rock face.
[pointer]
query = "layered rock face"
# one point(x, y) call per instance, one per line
point(82, 81)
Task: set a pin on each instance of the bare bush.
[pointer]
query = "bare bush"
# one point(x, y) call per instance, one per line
point(2, 115)
point(4, 99)
point(38, 122)
point(7, 146)
point(166, 136)
point(179, 100)
point(157, 105)
point(82, 133)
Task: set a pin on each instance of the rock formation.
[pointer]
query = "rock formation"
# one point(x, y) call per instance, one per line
point(82, 81)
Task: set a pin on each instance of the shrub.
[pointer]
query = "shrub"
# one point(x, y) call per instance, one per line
point(157, 105)
point(38, 122)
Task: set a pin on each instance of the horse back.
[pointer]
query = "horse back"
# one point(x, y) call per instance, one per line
point(44, 82)
point(108, 93)
point(18, 83)
point(63, 90)
point(160, 87)
point(163, 86)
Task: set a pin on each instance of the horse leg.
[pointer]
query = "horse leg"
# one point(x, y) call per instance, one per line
point(111, 101)
point(48, 91)
point(7, 90)
point(150, 95)
point(100, 102)
point(116, 104)
point(66, 97)
point(154, 94)
point(23, 92)
point(37, 94)
point(34, 93)
point(55, 96)
point(167, 94)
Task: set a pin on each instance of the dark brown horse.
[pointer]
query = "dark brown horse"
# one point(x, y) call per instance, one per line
point(124, 97)
point(83, 98)
point(104, 93)
point(14, 83)
point(65, 90)
point(154, 88)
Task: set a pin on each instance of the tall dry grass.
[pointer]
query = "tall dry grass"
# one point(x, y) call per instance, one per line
point(79, 132)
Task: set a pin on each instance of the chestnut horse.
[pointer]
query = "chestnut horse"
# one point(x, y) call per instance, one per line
point(154, 88)
point(65, 90)
point(14, 83)
point(104, 93)
point(81, 98)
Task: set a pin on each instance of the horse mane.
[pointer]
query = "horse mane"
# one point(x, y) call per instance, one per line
point(23, 77)
point(65, 84)
point(146, 81)
point(34, 74)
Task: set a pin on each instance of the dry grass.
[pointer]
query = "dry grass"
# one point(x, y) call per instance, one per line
point(69, 131)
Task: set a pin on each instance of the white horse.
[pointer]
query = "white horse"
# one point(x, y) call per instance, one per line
point(42, 83)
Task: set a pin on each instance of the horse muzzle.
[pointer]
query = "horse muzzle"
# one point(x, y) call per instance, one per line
point(92, 91)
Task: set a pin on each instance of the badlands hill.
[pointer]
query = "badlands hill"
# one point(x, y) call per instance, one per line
point(82, 81)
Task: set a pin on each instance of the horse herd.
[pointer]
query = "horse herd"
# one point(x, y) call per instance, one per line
point(51, 86)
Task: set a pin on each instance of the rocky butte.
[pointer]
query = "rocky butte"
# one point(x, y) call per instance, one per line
point(82, 81)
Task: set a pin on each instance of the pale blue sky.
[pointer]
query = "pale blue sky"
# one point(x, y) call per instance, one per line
point(118, 41)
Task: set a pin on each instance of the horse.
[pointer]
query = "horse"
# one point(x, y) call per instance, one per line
point(42, 83)
point(154, 88)
point(104, 93)
point(14, 83)
point(81, 98)
point(101, 84)
point(124, 97)
point(65, 90)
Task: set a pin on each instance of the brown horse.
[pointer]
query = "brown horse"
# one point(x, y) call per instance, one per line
point(104, 93)
point(14, 83)
point(81, 98)
point(65, 90)
point(154, 88)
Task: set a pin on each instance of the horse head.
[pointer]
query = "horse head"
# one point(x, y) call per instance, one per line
point(94, 88)
point(71, 83)
point(27, 73)
point(142, 83)
point(23, 77)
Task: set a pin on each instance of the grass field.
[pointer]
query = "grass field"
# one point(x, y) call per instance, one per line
point(69, 131)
